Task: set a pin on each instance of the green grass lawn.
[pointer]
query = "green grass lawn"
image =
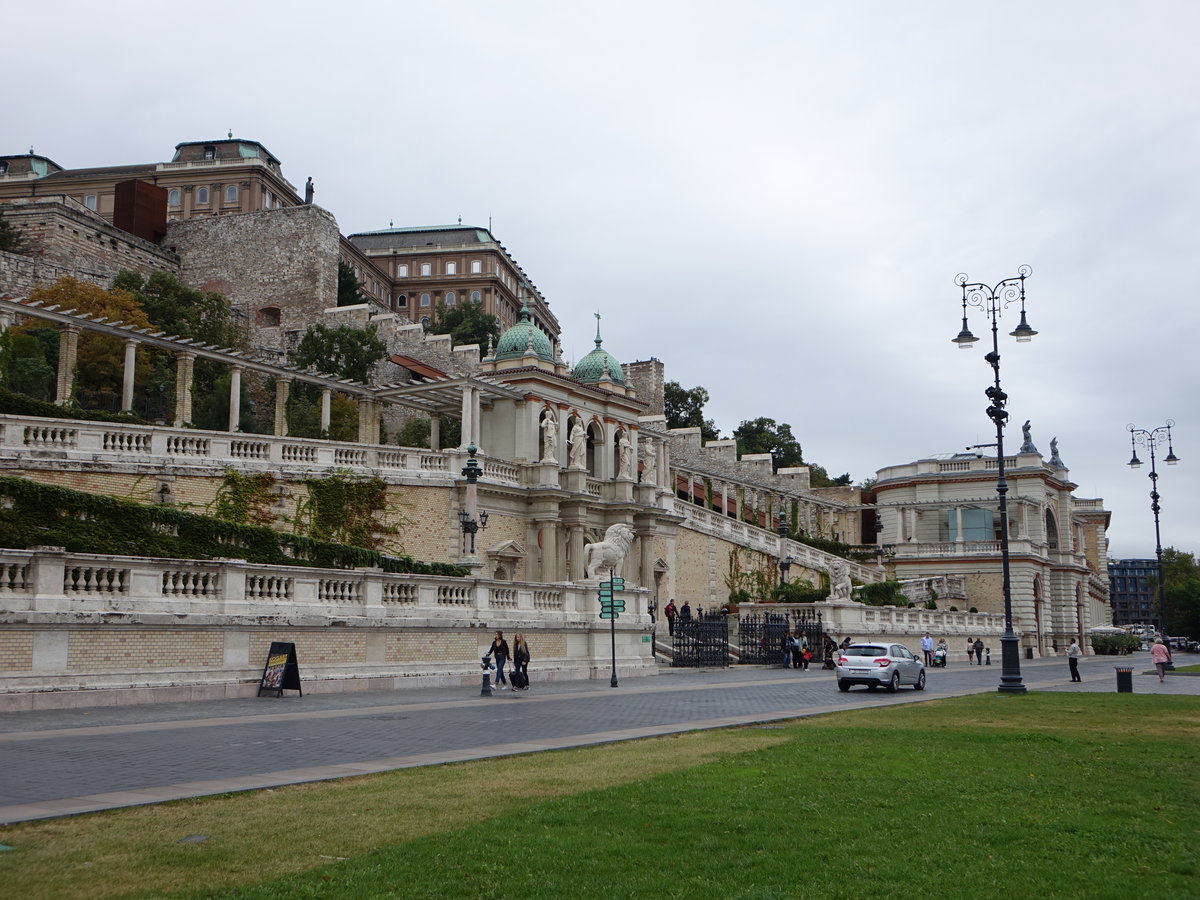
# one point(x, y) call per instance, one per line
point(1048, 795)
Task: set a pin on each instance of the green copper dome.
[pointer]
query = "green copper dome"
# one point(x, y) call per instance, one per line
point(593, 367)
point(524, 336)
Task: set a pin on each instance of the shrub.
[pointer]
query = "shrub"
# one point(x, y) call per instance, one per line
point(1114, 644)
point(882, 593)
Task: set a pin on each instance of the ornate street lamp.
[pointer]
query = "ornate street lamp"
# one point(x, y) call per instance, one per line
point(992, 300)
point(471, 521)
point(1150, 440)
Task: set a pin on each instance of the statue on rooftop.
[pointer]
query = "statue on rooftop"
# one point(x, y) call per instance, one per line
point(308, 190)
point(649, 463)
point(1055, 459)
point(578, 441)
point(1027, 446)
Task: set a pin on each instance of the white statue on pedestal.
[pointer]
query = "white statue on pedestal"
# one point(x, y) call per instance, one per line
point(649, 464)
point(550, 437)
point(578, 446)
point(624, 457)
point(608, 554)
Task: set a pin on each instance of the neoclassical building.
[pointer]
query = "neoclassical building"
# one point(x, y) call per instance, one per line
point(941, 516)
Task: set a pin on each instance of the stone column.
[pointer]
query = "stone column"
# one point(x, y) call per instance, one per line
point(365, 418)
point(468, 425)
point(235, 398)
point(958, 532)
point(282, 388)
point(183, 388)
point(576, 538)
point(68, 349)
point(129, 373)
point(435, 432)
point(326, 395)
point(548, 529)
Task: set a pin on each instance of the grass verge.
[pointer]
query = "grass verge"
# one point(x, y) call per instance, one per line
point(1053, 795)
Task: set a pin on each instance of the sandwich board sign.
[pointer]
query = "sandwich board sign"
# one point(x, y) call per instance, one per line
point(281, 672)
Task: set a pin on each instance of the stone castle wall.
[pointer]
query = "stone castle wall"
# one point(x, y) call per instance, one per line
point(278, 267)
point(61, 237)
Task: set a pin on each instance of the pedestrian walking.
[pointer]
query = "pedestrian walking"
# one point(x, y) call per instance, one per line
point(670, 612)
point(685, 612)
point(786, 647)
point(970, 651)
point(499, 651)
point(1160, 655)
point(979, 651)
point(520, 669)
point(1073, 654)
point(927, 648)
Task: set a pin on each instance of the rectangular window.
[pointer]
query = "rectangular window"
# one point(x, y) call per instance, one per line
point(402, 270)
point(451, 268)
point(426, 269)
point(89, 200)
point(476, 266)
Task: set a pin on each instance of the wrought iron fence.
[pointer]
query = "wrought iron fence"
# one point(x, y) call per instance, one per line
point(702, 641)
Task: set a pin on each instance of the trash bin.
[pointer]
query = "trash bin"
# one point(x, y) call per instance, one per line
point(1124, 679)
point(1029, 653)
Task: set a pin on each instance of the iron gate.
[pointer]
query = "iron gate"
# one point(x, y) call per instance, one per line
point(761, 638)
point(702, 641)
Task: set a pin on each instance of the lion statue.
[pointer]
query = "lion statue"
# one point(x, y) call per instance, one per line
point(610, 552)
point(840, 586)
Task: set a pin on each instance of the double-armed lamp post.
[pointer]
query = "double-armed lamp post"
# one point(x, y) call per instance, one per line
point(1151, 439)
point(993, 300)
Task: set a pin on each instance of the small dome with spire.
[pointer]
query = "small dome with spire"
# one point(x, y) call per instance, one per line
point(599, 363)
point(524, 337)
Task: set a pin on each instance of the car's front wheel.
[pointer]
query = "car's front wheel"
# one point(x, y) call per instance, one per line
point(920, 685)
point(843, 686)
point(894, 684)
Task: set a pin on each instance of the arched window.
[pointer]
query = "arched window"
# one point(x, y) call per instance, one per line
point(231, 193)
point(475, 296)
point(89, 200)
point(424, 299)
point(402, 270)
point(402, 300)
point(426, 269)
point(451, 298)
point(451, 268)
point(476, 266)
point(1051, 530)
point(201, 196)
point(173, 197)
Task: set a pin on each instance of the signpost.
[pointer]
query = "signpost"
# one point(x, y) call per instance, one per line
point(611, 608)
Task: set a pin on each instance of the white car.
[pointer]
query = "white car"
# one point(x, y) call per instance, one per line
point(889, 665)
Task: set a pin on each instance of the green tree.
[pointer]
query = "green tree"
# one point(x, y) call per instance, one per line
point(350, 292)
point(415, 432)
point(11, 238)
point(343, 351)
point(763, 435)
point(466, 323)
point(177, 309)
point(1181, 580)
point(684, 408)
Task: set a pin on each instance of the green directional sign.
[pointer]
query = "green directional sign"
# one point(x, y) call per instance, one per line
point(605, 594)
point(618, 584)
point(618, 605)
point(608, 615)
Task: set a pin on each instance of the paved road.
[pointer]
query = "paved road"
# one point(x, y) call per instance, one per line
point(55, 763)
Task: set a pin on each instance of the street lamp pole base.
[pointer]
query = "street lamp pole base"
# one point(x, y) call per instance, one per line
point(1010, 658)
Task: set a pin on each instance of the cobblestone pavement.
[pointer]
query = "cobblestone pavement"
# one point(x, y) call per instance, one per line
point(55, 763)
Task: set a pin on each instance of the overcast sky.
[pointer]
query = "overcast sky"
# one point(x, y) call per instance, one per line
point(772, 198)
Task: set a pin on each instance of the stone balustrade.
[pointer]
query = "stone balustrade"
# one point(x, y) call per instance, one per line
point(708, 522)
point(82, 629)
point(52, 582)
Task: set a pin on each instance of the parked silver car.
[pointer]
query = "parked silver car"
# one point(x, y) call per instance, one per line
point(889, 665)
